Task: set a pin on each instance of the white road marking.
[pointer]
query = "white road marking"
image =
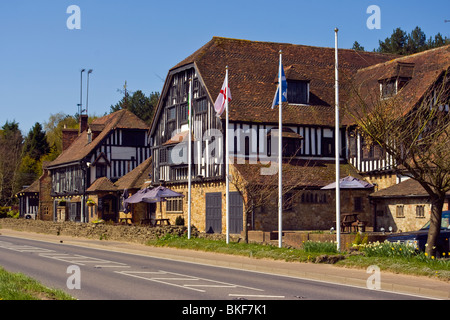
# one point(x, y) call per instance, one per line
point(254, 296)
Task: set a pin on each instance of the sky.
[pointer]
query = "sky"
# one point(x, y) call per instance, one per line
point(138, 41)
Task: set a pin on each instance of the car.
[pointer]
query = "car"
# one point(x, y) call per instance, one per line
point(418, 239)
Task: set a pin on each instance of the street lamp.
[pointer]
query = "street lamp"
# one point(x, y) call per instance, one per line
point(87, 93)
point(81, 93)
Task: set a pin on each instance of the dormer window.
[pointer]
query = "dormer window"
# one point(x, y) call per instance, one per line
point(388, 89)
point(298, 91)
point(395, 79)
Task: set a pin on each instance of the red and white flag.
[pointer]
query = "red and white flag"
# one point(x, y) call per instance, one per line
point(219, 105)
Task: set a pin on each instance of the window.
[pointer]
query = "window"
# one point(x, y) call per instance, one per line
point(298, 92)
point(100, 171)
point(314, 197)
point(201, 106)
point(327, 147)
point(163, 155)
point(357, 204)
point(420, 211)
point(171, 115)
point(247, 147)
point(288, 201)
point(184, 110)
point(133, 138)
point(388, 89)
point(174, 205)
point(399, 213)
point(373, 151)
point(291, 142)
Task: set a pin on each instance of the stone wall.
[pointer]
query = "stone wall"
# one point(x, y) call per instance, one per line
point(136, 234)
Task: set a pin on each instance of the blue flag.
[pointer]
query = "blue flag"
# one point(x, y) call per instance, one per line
point(276, 99)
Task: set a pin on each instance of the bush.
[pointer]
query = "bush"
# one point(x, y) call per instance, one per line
point(179, 221)
point(4, 212)
point(14, 214)
point(7, 212)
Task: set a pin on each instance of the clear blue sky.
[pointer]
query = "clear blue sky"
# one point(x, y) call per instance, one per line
point(139, 41)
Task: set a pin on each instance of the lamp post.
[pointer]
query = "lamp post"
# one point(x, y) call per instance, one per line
point(81, 93)
point(87, 92)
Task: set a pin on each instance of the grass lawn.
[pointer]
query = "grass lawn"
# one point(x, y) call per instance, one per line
point(17, 286)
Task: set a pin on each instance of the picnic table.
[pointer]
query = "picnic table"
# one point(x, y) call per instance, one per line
point(154, 222)
point(161, 222)
point(350, 222)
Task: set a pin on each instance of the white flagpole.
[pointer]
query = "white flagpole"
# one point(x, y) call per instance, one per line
point(227, 160)
point(280, 157)
point(337, 149)
point(189, 155)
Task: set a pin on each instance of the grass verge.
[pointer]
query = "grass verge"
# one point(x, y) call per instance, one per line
point(312, 252)
point(17, 286)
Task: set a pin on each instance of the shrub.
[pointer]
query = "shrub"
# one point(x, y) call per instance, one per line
point(4, 212)
point(179, 221)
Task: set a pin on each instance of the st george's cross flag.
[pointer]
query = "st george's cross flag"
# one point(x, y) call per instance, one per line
point(219, 105)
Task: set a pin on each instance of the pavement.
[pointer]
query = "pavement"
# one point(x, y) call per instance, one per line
point(390, 282)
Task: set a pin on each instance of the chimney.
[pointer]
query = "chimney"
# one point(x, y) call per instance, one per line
point(68, 136)
point(83, 122)
point(89, 135)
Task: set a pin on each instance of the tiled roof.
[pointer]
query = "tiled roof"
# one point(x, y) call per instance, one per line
point(136, 177)
point(299, 173)
point(33, 188)
point(407, 188)
point(80, 148)
point(253, 68)
point(422, 68)
point(102, 184)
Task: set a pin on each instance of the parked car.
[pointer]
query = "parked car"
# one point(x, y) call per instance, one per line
point(418, 239)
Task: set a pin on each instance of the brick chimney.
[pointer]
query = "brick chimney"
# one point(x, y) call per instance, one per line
point(83, 122)
point(68, 136)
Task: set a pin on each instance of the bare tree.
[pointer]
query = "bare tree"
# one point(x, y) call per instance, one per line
point(414, 132)
point(258, 190)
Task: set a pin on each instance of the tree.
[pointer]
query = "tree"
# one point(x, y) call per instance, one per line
point(139, 104)
point(402, 43)
point(53, 129)
point(416, 41)
point(258, 189)
point(357, 46)
point(416, 137)
point(36, 144)
point(11, 143)
point(395, 43)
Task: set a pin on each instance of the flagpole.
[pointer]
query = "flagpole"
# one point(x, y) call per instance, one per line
point(337, 149)
point(227, 161)
point(280, 157)
point(189, 155)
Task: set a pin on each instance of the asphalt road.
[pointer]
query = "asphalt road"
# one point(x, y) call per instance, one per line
point(93, 274)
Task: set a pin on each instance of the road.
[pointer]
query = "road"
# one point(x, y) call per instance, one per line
point(93, 274)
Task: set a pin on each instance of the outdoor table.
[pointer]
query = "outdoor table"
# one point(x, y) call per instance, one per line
point(348, 220)
point(161, 222)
